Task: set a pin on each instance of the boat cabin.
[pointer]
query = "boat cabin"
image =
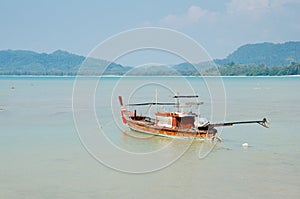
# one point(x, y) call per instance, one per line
point(175, 120)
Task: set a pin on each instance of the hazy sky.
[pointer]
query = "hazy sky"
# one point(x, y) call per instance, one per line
point(220, 26)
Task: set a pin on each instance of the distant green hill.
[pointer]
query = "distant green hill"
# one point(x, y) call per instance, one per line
point(268, 54)
point(22, 62)
point(29, 62)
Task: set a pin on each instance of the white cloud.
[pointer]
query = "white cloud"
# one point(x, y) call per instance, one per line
point(283, 2)
point(258, 8)
point(253, 8)
point(193, 15)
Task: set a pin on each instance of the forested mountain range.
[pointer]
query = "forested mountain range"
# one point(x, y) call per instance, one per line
point(268, 54)
point(250, 59)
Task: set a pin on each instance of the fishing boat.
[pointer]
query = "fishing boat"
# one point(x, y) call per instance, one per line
point(182, 122)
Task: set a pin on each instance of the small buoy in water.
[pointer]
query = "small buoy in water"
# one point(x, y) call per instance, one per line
point(245, 145)
point(13, 88)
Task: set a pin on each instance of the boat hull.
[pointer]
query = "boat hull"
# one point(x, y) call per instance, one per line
point(144, 127)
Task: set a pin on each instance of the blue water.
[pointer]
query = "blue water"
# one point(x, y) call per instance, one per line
point(42, 155)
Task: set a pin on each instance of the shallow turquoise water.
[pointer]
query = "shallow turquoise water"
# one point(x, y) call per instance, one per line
point(43, 157)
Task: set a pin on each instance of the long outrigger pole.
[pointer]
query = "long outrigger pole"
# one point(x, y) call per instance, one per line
point(169, 103)
point(153, 103)
point(263, 122)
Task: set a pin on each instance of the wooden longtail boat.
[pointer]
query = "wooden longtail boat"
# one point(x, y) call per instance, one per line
point(176, 124)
